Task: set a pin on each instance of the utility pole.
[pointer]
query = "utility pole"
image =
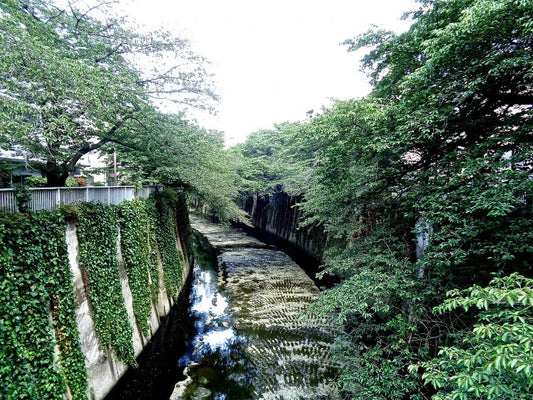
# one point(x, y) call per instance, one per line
point(115, 167)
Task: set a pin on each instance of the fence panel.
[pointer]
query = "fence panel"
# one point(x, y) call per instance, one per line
point(44, 198)
point(51, 198)
point(8, 200)
point(146, 191)
point(125, 193)
point(73, 195)
point(99, 194)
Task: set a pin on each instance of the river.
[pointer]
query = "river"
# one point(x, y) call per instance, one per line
point(249, 340)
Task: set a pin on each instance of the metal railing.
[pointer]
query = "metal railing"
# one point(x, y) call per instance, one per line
point(51, 198)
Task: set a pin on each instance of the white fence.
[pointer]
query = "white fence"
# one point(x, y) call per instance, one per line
point(51, 198)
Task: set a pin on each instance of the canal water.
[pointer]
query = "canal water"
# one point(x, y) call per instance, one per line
point(249, 340)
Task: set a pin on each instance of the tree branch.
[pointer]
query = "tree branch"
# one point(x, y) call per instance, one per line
point(94, 146)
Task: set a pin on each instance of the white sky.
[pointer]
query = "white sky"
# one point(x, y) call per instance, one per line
point(274, 60)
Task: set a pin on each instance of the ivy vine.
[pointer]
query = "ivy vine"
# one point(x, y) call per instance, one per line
point(23, 197)
point(36, 288)
point(98, 233)
point(135, 246)
point(36, 284)
point(155, 257)
point(166, 234)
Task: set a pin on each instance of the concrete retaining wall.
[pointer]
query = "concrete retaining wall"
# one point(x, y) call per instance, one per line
point(103, 370)
point(279, 215)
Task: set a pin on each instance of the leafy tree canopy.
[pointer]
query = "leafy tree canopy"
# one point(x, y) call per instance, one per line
point(495, 359)
point(75, 78)
point(423, 186)
point(70, 86)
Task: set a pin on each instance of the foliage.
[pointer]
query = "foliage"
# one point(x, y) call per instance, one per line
point(108, 91)
point(378, 301)
point(462, 154)
point(203, 168)
point(37, 300)
point(151, 215)
point(258, 162)
point(97, 233)
point(6, 168)
point(103, 88)
point(135, 246)
point(351, 156)
point(443, 141)
point(23, 197)
point(172, 259)
point(71, 182)
point(495, 359)
point(35, 181)
point(277, 159)
point(36, 285)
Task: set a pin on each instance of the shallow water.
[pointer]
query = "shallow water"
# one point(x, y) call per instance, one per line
point(249, 340)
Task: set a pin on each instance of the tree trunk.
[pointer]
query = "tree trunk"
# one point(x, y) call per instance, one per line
point(56, 175)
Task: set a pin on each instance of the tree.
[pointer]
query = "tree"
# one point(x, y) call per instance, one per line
point(69, 85)
point(451, 146)
point(441, 148)
point(465, 116)
point(370, 248)
point(268, 164)
point(347, 163)
point(495, 359)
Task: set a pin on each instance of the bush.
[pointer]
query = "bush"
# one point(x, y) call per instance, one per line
point(495, 359)
point(71, 182)
point(35, 181)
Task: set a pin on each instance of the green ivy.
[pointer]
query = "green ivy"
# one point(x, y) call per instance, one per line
point(36, 288)
point(135, 246)
point(63, 304)
point(23, 198)
point(151, 213)
point(35, 281)
point(171, 258)
point(98, 233)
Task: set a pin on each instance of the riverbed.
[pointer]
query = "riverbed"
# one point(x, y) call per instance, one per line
point(250, 340)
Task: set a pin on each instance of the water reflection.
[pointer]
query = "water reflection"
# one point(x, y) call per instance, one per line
point(214, 361)
point(213, 331)
point(249, 340)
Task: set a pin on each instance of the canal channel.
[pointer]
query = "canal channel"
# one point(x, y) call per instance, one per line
point(239, 332)
point(250, 340)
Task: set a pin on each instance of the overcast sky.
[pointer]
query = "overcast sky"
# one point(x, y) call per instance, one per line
point(274, 60)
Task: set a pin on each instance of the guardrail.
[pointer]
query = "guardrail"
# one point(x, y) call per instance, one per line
point(51, 198)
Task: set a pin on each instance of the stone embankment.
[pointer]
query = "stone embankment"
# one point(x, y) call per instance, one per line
point(278, 217)
point(104, 371)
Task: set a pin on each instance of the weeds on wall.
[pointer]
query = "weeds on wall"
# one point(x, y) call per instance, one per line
point(172, 259)
point(36, 287)
point(155, 257)
point(147, 236)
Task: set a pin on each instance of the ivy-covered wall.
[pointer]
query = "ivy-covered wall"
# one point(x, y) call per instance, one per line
point(82, 290)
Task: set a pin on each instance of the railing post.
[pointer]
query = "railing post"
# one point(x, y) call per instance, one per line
point(87, 194)
point(58, 197)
